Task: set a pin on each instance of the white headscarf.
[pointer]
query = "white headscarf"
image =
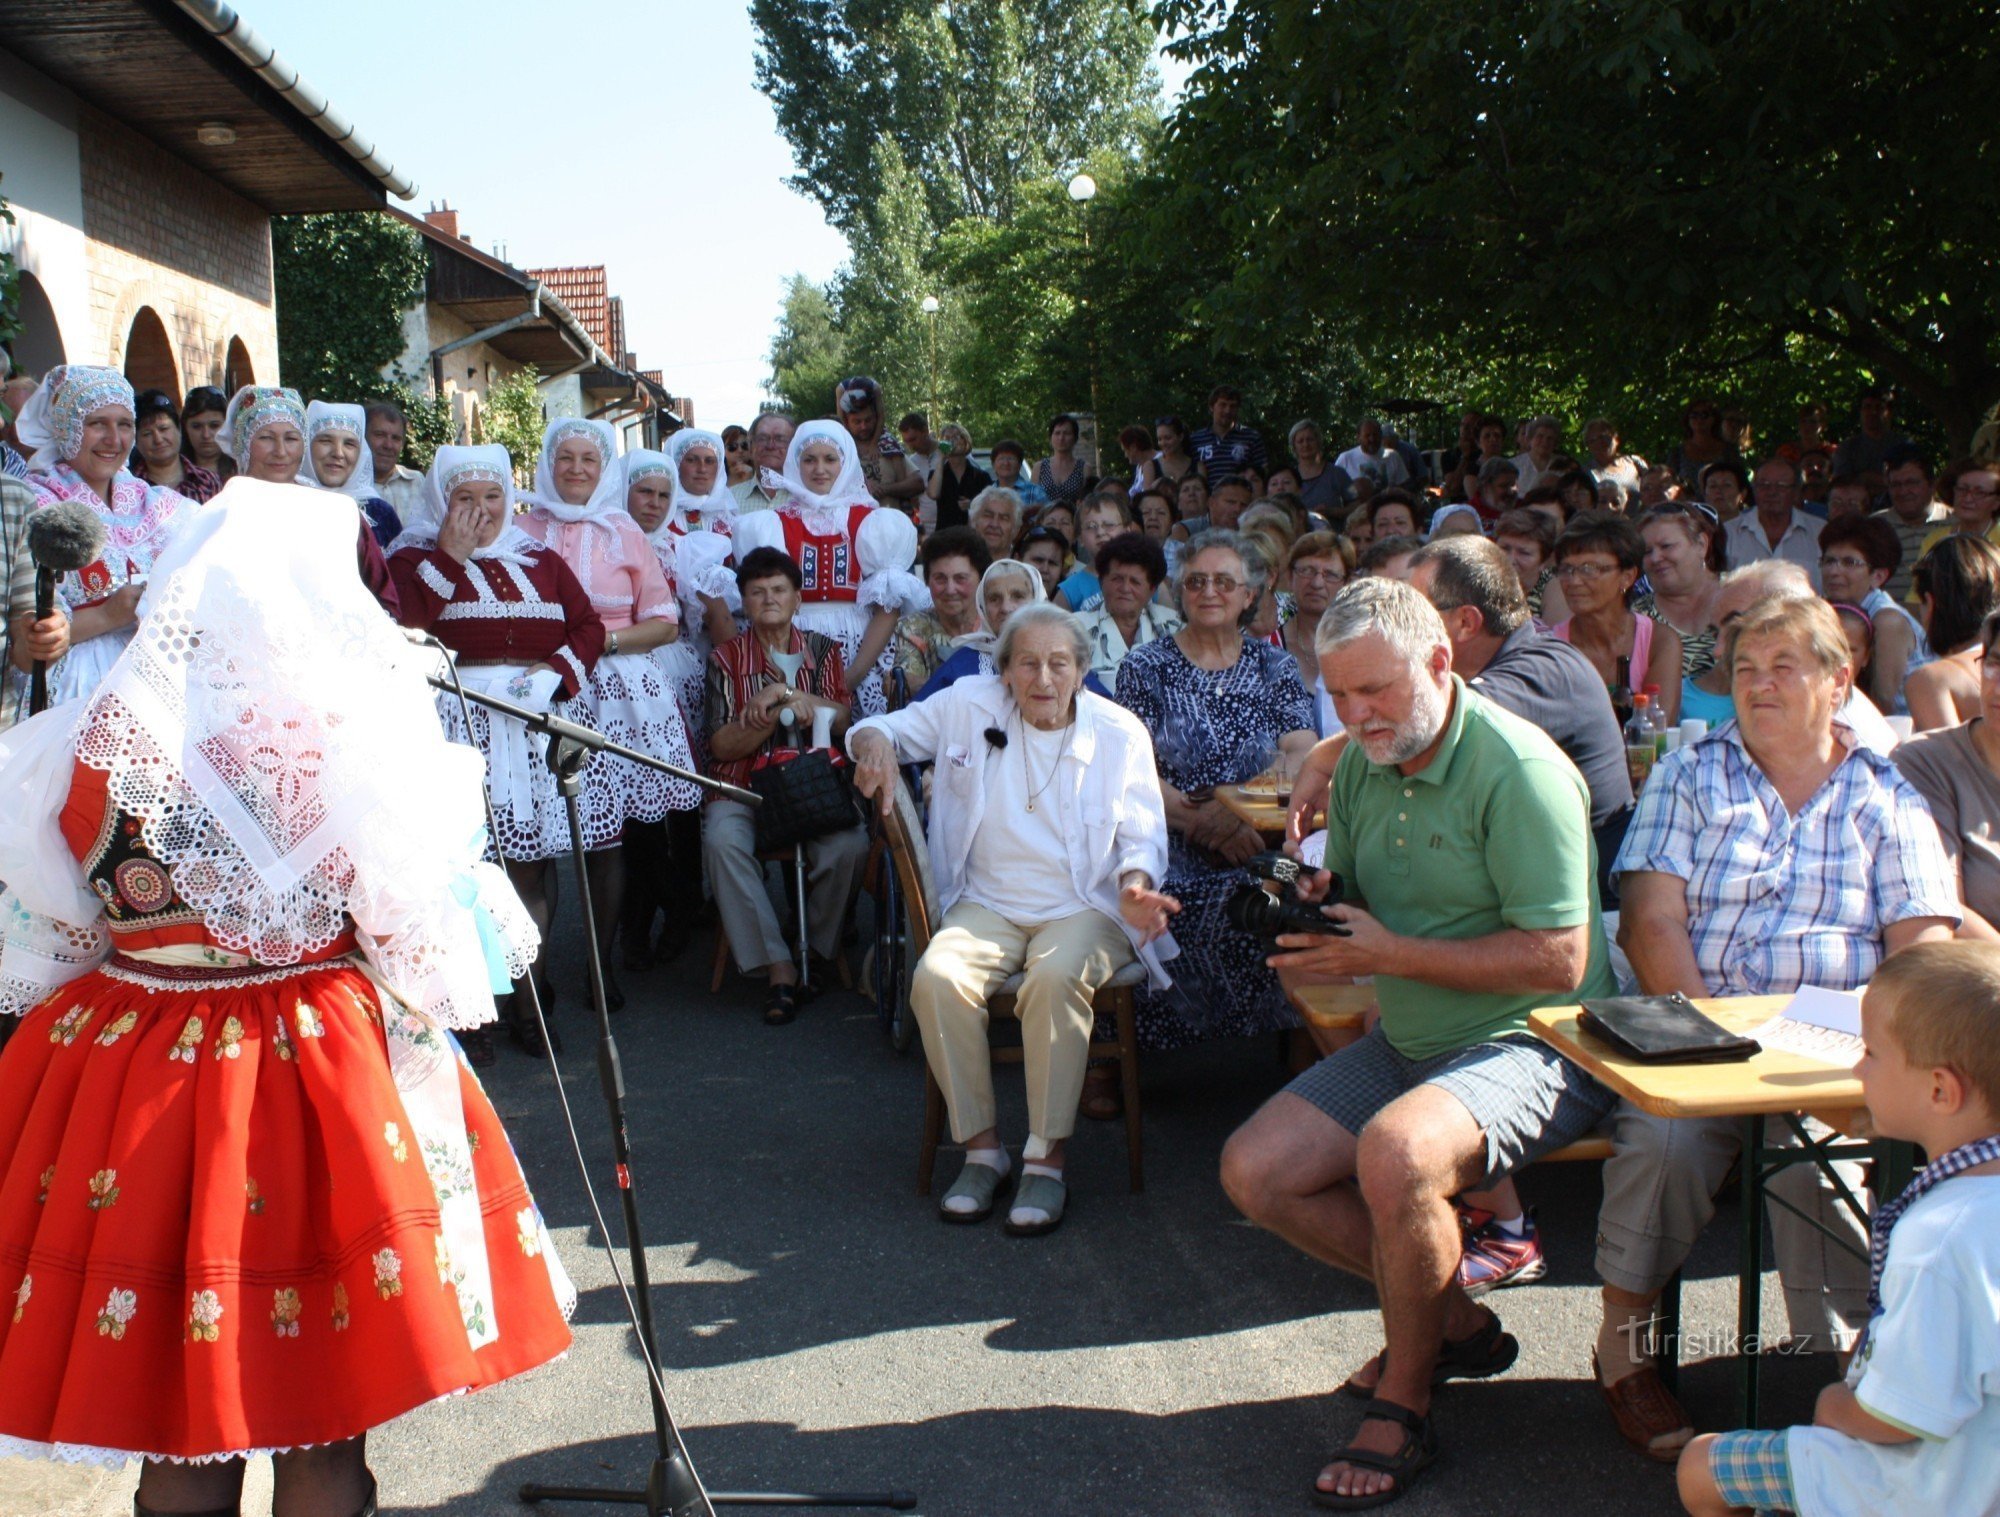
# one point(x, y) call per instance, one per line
point(51, 420)
point(327, 416)
point(987, 638)
point(607, 498)
point(253, 408)
point(450, 467)
point(826, 513)
point(1446, 513)
point(648, 463)
point(719, 502)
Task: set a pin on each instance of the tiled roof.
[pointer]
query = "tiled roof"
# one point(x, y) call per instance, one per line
point(582, 289)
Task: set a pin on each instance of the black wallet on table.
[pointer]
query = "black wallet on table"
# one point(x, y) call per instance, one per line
point(1664, 1030)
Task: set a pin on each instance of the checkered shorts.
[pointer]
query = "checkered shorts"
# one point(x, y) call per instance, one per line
point(1752, 1469)
point(1527, 1099)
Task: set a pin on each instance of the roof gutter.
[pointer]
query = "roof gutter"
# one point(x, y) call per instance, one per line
point(498, 329)
point(230, 29)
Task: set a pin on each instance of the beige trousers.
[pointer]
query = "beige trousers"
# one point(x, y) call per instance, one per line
point(1064, 962)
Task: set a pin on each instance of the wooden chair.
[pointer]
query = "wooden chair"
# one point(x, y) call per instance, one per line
point(795, 858)
point(1113, 1005)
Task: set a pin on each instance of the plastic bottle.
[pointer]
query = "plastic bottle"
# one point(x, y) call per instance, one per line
point(1639, 747)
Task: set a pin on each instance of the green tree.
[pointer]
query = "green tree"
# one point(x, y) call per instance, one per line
point(806, 353)
point(1617, 201)
point(344, 280)
point(430, 419)
point(978, 96)
point(512, 417)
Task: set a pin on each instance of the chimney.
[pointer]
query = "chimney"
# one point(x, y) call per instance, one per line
point(444, 218)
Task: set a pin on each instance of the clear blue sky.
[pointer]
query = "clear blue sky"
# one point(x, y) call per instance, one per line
point(623, 132)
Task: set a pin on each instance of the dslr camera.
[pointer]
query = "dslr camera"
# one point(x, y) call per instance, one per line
point(1263, 914)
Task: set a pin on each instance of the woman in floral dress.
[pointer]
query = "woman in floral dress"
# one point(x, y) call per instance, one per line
point(1219, 705)
point(251, 1199)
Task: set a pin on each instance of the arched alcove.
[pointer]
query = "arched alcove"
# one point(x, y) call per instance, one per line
point(149, 356)
point(39, 347)
point(237, 370)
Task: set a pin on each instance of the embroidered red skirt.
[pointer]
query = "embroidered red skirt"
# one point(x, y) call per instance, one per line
point(217, 1234)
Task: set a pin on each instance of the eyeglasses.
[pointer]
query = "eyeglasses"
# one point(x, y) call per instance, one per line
point(1311, 571)
point(1223, 583)
point(1830, 561)
point(1965, 488)
point(1586, 571)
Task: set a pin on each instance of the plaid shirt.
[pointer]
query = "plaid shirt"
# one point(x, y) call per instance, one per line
point(1776, 901)
point(738, 670)
point(17, 569)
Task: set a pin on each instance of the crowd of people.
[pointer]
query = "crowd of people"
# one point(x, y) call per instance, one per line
point(1068, 658)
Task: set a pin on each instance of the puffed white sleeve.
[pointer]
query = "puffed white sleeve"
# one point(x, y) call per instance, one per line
point(703, 558)
point(886, 546)
point(51, 923)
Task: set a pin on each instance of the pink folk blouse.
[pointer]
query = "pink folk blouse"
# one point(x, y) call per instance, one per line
point(616, 565)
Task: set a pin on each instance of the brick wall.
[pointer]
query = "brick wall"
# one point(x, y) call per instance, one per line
point(160, 234)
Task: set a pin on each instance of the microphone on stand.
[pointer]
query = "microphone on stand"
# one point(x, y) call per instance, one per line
point(62, 538)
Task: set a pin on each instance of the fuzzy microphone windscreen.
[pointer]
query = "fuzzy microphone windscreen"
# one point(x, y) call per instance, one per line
point(65, 536)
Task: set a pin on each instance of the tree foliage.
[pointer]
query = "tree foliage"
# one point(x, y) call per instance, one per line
point(1655, 196)
point(431, 423)
point(807, 353)
point(978, 96)
point(512, 417)
point(343, 281)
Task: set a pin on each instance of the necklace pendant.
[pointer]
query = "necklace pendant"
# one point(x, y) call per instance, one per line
point(1031, 805)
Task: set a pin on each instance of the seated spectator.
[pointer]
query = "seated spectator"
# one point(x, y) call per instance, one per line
point(1815, 479)
point(1606, 458)
point(996, 517)
point(1777, 528)
point(1597, 561)
point(1912, 1426)
point(1005, 587)
point(1047, 851)
point(1537, 462)
point(1495, 490)
point(1528, 538)
point(1323, 484)
point(1220, 706)
point(1228, 498)
point(1156, 512)
point(1388, 557)
point(1859, 631)
point(1191, 497)
point(1683, 565)
point(1368, 457)
point(1975, 505)
point(1009, 460)
point(1357, 1161)
point(157, 455)
point(1957, 771)
point(1130, 568)
point(1359, 530)
point(1393, 513)
point(753, 679)
point(1701, 444)
point(1957, 586)
point(1271, 530)
point(1847, 495)
point(955, 482)
point(1453, 521)
point(1913, 510)
point(1857, 556)
point(1316, 570)
point(1870, 448)
point(1658, 484)
point(1136, 443)
point(1099, 519)
point(1725, 486)
point(1580, 493)
point(1046, 551)
point(1057, 516)
point(1548, 501)
point(952, 560)
point(1724, 875)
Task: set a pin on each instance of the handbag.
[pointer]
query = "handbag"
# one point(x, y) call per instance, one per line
point(1667, 1029)
point(806, 796)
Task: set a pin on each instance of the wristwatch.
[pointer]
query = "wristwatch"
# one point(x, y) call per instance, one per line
point(611, 642)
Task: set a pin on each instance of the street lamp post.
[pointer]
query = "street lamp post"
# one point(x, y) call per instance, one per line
point(930, 309)
point(1083, 190)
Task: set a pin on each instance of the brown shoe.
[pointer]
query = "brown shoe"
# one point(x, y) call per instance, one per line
point(1103, 1101)
point(1646, 1412)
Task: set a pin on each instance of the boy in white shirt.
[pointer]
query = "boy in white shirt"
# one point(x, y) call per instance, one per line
point(1914, 1426)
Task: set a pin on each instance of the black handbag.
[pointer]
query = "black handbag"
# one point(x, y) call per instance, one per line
point(1668, 1029)
point(805, 796)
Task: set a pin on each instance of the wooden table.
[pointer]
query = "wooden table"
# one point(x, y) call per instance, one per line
point(1339, 1008)
point(1768, 1084)
point(1260, 809)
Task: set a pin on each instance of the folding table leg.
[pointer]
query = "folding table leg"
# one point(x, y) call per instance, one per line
point(1750, 1280)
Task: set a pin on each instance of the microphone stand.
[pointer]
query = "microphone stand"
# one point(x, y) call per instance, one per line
point(672, 1488)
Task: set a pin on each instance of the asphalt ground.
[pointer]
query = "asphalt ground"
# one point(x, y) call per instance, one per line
point(821, 1329)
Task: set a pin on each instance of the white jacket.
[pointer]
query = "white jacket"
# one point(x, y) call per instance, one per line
point(1109, 769)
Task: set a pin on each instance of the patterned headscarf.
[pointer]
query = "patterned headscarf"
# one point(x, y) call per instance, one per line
point(253, 408)
point(51, 422)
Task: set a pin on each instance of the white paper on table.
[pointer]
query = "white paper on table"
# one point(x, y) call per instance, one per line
point(1817, 1024)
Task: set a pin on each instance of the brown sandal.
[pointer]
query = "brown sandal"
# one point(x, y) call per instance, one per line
point(1102, 1100)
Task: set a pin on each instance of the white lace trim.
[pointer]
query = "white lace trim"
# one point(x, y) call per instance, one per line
point(502, 610)
point(433, 576)
point(576, 665)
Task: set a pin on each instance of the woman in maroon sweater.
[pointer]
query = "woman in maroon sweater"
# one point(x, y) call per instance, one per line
point(520, 626)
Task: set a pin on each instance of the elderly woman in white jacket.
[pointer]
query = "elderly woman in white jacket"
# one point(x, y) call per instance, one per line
point(1048, 838)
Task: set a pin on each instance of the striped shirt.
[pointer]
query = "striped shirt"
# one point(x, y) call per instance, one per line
point(17, 569)
point(1776, 901)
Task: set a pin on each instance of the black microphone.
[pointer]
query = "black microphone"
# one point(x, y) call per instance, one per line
point(996, 737)
point(62, 539)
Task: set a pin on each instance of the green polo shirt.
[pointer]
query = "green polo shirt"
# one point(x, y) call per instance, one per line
point(1493, 833)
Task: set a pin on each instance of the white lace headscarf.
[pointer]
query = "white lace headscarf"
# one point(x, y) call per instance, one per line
point(719, 502)
point(451, 466)
point(273, 733)
point(326, 416)
point(827, 513)
point(51, 420)
point(607, 498)
point(987, 638)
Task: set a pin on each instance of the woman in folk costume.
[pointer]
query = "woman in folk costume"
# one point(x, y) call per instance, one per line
point(264, 431)
point(855, 556)
point(687, 513)
point(251, 1200)
point(578, 509)
point(519, 627)
point(78, 425)
point(337, 458)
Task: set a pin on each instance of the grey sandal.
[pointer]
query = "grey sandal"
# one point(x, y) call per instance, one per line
point(983, 1183)
point(1046, 1194)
